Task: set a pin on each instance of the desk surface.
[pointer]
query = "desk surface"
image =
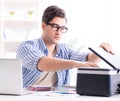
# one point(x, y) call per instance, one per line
point(50, 96)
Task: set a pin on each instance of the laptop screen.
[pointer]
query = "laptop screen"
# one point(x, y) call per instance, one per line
point(11, 76)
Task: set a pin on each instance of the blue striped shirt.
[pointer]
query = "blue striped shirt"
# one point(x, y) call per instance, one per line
point(32, 50)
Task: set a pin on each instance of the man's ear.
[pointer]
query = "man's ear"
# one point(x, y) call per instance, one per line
point(43, 25)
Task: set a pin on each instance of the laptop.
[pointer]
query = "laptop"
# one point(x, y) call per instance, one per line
point(112, 60)
point(11, 81)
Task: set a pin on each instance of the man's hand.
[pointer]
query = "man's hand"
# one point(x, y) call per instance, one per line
point(107, 47)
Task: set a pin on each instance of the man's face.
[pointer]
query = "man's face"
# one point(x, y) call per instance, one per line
point(53, 31)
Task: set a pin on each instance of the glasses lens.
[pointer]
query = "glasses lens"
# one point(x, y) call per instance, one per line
point(55, 27)
point(63, 29)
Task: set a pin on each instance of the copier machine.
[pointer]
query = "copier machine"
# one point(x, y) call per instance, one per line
point(98, 81)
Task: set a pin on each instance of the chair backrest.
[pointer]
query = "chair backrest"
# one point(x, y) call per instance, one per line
point(10, 48)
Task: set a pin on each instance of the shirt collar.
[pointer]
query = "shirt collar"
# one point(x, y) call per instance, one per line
point(43, 46)
point(58, 48)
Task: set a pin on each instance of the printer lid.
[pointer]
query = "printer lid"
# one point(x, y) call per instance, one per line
point(112, 60)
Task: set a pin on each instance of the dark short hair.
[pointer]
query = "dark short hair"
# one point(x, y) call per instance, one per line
point(51, 12)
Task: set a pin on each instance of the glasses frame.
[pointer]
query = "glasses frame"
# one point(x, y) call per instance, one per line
point(56, 27)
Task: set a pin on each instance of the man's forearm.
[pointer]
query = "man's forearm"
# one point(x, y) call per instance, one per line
point(53, 64)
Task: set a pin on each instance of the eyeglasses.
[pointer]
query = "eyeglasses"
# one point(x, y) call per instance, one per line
point(56, 27)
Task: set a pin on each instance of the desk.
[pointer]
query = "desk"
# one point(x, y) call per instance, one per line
point(48, 96)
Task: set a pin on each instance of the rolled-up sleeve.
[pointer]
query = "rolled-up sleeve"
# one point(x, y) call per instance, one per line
point(71, 54)
point(78, 56)
point(29, 53)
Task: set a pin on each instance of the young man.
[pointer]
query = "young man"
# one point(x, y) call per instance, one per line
point(45, 61)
